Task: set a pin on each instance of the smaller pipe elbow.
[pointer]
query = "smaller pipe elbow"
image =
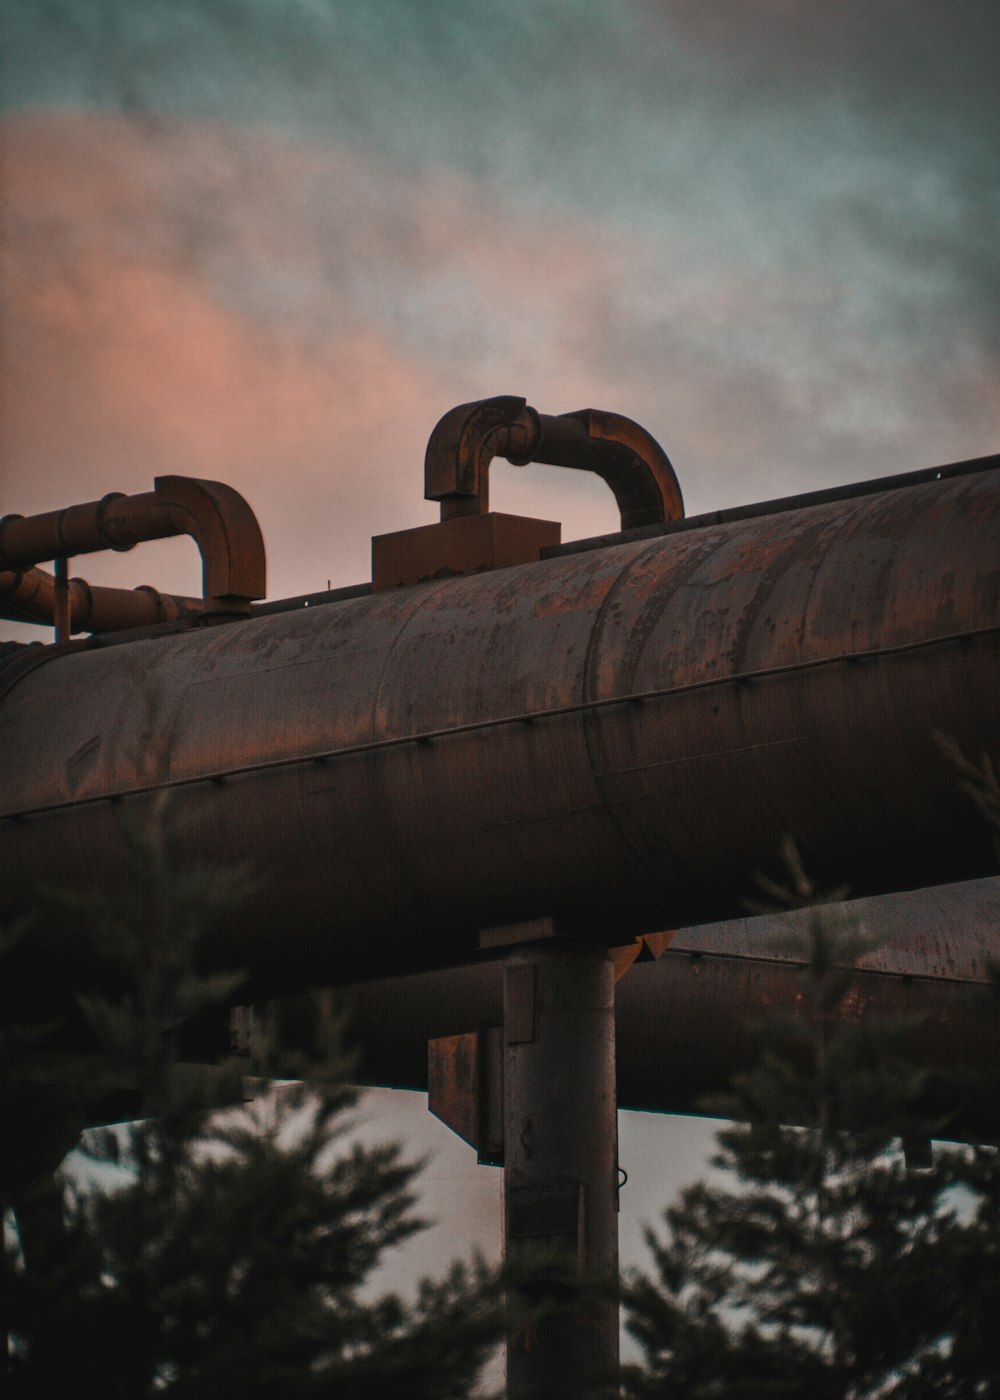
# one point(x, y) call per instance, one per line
point(216, 517)
point(623, 454)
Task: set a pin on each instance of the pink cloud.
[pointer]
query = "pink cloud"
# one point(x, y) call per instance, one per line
point(127, 351)
point(293, 318)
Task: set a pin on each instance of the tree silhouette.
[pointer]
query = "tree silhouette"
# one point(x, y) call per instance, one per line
point(225, 1245)
point(822, 1262)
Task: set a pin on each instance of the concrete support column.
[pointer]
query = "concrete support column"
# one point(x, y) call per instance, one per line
point(560, 1165)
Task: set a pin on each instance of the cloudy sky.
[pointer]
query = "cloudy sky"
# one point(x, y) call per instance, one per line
point(272, 241)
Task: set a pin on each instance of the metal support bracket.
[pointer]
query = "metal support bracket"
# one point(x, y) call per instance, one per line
point(465, 1089)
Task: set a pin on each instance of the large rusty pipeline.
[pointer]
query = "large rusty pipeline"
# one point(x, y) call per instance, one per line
point(616, 738)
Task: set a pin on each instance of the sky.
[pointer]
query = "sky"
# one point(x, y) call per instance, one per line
point(270, 242)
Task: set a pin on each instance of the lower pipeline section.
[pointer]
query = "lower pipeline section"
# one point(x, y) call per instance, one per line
point(689, 1020)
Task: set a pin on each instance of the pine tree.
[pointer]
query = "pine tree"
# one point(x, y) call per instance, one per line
point(820, 1263)
point(226, 1249)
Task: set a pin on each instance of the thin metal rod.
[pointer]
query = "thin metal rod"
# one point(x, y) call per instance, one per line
point(60, 600)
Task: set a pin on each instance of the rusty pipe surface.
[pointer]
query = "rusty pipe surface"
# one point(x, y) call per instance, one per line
point(467, 438)
point(617, 738)
point(216, 517)
point(29, 596)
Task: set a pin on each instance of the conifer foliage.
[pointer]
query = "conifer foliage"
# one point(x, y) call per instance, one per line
point(228, 1245)
point(822, 1259)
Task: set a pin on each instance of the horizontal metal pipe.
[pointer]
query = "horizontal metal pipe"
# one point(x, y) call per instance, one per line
point(617, 739)
point(30, 597)
point(988, 634)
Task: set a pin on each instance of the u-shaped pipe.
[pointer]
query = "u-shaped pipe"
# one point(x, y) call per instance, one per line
point(217, 518)
point(630, 460)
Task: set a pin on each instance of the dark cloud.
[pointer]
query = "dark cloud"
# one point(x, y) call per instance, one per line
point(923, 52)
point(902, 102)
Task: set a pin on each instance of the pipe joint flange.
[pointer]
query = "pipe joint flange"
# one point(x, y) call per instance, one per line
point(524, 438)
point(113, 530)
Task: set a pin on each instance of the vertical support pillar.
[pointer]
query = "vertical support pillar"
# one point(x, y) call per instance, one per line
point(560, 1166)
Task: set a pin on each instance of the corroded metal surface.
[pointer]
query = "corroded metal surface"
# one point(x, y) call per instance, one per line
point(454, 1084)
point(616, 738)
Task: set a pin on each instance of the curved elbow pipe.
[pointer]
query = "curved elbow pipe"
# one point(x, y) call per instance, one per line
point(215, 516)
point(467, 438)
